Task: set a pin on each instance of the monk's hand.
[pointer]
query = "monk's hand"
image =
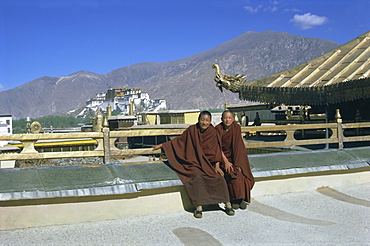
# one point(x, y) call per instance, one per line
point(218, 169)
point(155, 147)
point(229, 167)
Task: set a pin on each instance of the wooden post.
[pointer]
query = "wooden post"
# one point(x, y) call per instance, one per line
point(340, 129)
point(327, 121)
point(29, 146)
point(289, 135)
point(106, 145)
point(357, 120)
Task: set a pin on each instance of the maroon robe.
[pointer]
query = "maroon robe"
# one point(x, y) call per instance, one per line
point(193, 156)
point(239, 183)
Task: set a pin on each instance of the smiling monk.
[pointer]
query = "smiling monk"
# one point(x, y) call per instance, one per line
point(196, 156)
point(238, 174)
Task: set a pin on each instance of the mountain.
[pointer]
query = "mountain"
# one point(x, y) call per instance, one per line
point(185, 83)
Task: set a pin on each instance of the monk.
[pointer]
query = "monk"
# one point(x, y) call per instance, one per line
point(238, 174)
point(196, 157)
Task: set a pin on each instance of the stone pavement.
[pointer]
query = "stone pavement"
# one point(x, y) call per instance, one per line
point(325, 216)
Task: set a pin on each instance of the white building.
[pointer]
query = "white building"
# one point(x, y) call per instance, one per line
point(120, 99)
point(6, 127)
point(96, 101)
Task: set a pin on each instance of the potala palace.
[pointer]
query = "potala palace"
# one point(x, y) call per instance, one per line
point(123, 100)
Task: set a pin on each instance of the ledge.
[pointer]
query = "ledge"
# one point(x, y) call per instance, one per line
point(115, 179)
point(303, 162)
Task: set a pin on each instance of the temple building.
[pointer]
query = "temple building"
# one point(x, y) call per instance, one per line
point(340, 79)
point(126, 101)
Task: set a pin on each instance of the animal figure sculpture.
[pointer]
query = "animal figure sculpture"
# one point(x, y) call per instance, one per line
point(229, 82)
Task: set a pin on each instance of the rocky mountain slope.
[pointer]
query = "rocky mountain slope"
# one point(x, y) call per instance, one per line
point(185, 84)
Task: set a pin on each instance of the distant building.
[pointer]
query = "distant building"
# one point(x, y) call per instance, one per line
point(120, 122)
point(123, 100)
point(6, 127)
point(270, 113)
point(250, 111)
point(170, 117)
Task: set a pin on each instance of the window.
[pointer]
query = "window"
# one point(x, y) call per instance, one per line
point(172, 119)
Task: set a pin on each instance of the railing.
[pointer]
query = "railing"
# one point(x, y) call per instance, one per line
point(106, 139)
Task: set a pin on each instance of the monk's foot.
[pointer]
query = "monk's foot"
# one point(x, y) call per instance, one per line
point(235, 204)
point(229, 211)
point(243, 205)
point(198, 214)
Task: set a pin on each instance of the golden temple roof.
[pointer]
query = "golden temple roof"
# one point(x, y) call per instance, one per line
point(341, 75)
point(350, 61)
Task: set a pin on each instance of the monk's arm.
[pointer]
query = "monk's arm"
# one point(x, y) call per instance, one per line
point(228, 165)
point(158, 146)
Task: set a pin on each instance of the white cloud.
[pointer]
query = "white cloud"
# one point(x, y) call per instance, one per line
point(272, 9)
point(308, 20)
point(2, 87)
point(292, 10)
point(252, 9)
point(268, 8)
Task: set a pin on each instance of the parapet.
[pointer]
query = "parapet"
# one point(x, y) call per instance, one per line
point(116, 179)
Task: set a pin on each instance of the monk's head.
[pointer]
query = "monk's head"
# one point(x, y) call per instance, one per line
point(227, 118)
point(204, 120)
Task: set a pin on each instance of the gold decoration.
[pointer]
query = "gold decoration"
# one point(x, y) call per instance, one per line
point(35, 127)
point(229, 82)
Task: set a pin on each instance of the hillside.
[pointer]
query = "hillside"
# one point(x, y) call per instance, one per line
point(185, 84)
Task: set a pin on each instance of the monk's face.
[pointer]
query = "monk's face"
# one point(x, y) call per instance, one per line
point(204, 122)
point(227, 119)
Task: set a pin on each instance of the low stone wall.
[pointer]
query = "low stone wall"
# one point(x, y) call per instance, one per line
point(57, 211)
point(62, 195)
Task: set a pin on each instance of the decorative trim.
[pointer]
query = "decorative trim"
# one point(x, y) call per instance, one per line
point(320, 95)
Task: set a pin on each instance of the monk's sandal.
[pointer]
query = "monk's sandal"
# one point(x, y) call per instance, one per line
point(243, 205)
point(198, 214)
point(229, 211)
point(235, 206)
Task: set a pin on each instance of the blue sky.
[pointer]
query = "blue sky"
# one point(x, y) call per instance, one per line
point(59, 37)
